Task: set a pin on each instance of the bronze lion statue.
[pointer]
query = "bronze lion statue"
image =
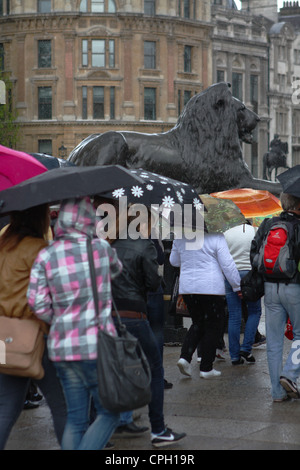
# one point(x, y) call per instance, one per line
point(202, 149)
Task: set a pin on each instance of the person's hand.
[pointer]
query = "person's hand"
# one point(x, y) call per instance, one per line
point(239, 293)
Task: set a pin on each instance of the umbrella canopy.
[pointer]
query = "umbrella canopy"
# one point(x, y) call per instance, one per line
point(254, 204)
point(157, 189)
point(16, 167)
point(178, 202)
point(222, 214)
point(65, 183)
point(290, 181)
point(51, 162)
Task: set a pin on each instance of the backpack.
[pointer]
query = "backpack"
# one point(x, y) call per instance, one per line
point(276, 255)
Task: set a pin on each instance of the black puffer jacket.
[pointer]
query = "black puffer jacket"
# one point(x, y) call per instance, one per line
point(139, 274)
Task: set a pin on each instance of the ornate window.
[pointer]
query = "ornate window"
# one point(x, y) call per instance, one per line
point(44, 6)
point(84, 102)
point(98, 53)
point(112, 102)
point(98, 102)
point(187, 8)
point(45, 146)
point(149, 7)
point(237, 85)
point(45, 102)
point(187, 59)
point(254, 92)
point(44, 53)
point(220, 76)
point(150, 104)
point(149, 54)
point(98, 6)
point(281, 121)
point(4, 7)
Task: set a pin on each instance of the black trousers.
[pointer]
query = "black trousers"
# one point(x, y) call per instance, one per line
point(207, 313)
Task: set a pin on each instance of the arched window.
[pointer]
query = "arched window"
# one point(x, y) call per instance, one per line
point(98, 6)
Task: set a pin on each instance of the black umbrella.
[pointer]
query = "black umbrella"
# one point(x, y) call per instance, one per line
point(50, 162)
point(167, 193)
point(65, 183)
point(156, 189)
point(290, 181)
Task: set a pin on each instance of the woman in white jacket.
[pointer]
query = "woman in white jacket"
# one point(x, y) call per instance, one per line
point(202, 284)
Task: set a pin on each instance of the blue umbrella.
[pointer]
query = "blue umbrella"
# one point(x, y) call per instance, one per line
point(51, 162)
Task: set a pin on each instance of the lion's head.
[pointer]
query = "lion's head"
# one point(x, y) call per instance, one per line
point(214, 122)
point(246, 121)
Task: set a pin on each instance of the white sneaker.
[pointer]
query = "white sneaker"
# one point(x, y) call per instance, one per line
point(220, 355)
point(210, 375)
point(184, 367)
point(166, 438)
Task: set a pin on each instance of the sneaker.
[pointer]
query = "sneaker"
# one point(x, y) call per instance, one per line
point(210, 375)
point(34, 397)
point(290, 387)
point(109, 445)
point(238, 362)
point(167, 385)
point(29, 405)
point(220, 355)
point(166, 438)
point(260, 341)
point(184, 367)
point(280, 400)
point(248, 357)
point(130, 430)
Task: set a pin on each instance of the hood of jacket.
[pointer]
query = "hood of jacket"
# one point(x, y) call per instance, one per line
point(76, 219)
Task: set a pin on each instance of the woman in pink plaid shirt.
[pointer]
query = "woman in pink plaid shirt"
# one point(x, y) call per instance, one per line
point(60, 293)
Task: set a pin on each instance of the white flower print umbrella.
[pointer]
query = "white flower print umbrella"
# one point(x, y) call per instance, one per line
point(165, 193)
point(157, 189)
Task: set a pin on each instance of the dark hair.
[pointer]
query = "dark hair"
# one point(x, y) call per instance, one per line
point(33, 222)
point(289, 202)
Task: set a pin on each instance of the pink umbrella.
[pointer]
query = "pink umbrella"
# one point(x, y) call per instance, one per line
point(16, 167)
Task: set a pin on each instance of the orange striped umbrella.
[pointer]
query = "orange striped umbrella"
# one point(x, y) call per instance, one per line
point(253, 203)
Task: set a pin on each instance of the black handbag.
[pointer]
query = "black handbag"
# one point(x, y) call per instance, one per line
point(124, 375)
point(174, 293)
point(252, 286)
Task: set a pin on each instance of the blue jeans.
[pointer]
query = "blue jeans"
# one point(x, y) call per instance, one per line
point(282, 301)
point(80, 383)
point(234, 305)
point(156, 318)
point(142, 331)
point(13, 392)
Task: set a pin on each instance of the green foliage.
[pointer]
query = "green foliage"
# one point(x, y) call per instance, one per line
point(9, 128)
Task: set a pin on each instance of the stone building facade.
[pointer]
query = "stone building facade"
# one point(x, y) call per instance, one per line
point(289, 18)
point(283, 58)
point(87, 66)
point(240, 57)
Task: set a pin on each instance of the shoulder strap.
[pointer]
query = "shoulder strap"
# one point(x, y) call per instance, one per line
point(93, 274)
point(94, 282)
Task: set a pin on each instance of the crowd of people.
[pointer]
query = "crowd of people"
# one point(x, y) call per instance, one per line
point(50, 283)
point(203, 288)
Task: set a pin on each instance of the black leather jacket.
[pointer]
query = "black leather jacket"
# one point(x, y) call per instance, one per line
point(139, 274)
